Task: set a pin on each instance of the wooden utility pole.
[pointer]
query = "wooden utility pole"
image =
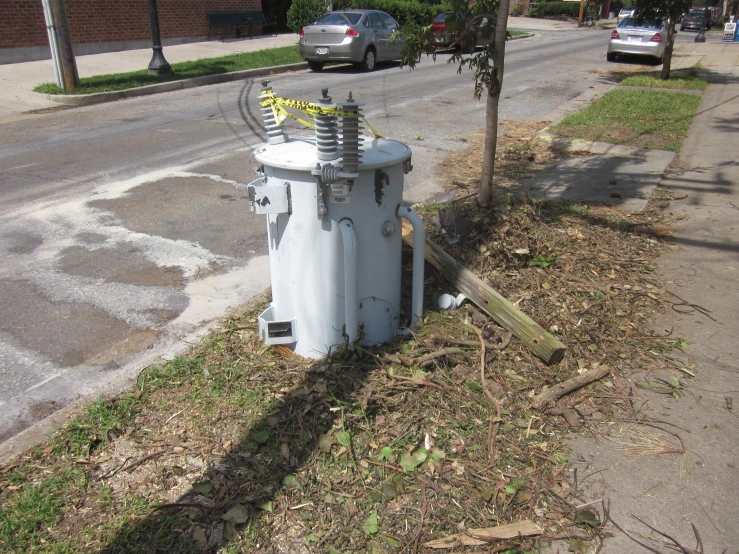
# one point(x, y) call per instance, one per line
point(70, 79)
point(582, 13)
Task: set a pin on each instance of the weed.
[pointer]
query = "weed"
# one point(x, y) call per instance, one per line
point(542, 260)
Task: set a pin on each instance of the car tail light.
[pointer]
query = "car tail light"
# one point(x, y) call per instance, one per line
point(615, 36)
point(351, 33)
point(656, 38)
point(302, 32)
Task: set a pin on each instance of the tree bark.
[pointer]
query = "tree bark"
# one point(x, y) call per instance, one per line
point(494, 88)
point(667, 56)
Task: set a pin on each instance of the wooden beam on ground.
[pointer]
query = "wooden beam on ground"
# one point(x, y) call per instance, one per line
point(543, 344)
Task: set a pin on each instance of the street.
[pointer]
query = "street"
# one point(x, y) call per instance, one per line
point(125, 229)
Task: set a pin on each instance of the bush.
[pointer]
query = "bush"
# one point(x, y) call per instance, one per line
point(517, 9)
point(304, 12)
point(404, 11)
point(555, 9)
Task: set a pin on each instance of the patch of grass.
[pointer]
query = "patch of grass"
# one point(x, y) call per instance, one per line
point(26, 518)
point(645, 118)
point(515, 33)
point(680, 79)
point(184, 70)
point(102, 421)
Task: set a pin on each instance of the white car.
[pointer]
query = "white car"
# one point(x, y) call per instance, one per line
point(642, 38)
point(624, 13)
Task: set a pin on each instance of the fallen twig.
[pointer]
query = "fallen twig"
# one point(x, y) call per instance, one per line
point(550, 396)
point(494, 419)
point(481, 537)
point(506, 340)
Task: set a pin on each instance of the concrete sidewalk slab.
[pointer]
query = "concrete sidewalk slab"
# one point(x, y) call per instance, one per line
point(18, 80)
point(616, 175)
point(673, 492)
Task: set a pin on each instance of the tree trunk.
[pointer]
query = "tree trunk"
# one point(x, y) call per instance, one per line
point(491, 110)
point(667, 56)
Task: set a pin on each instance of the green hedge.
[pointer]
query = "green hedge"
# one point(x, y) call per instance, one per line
point(304, 12)
point(555, 9)
point(404, 11)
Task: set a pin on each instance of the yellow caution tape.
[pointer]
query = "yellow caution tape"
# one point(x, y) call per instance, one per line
point(278, 105)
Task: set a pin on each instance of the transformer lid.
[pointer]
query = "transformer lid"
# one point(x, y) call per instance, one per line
point(299, 154)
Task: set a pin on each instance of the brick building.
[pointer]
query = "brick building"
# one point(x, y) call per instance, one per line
point(106, 25)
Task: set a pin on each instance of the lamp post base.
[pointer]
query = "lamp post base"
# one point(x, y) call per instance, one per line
point(158, 65)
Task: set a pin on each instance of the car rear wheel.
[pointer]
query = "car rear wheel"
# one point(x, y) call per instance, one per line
point(611, 56)
point(315, 66)
point(370, 60)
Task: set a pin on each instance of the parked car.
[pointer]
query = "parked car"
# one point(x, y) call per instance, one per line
point(645, 38)
point(624, 13)
point(362, 37)
point(443, 36)
point(695, 19)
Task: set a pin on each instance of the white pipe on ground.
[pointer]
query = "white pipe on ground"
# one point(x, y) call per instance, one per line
point(53, 46)
point(351, 300)
point(419, 252)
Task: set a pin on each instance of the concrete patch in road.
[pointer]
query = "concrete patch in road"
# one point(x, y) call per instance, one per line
point(189, 207)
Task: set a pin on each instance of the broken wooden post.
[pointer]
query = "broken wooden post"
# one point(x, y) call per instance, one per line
point(543, 344)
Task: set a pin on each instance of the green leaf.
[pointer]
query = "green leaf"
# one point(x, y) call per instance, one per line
point(409, 461)
point(391, 541)
point(385, 454)
point(267, 507)
point(290, 482)
point(262, 437)
point(370, 526)
point(578, 546)
point(325, 443)
point(511, 489)
point(587, 517)
point(203, 487)
point(236, 515)
point(344, 438)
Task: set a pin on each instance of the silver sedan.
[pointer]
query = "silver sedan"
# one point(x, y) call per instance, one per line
point(645, 38)
point(363, 37)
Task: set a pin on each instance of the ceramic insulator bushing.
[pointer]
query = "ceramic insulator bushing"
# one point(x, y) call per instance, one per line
point(327, 131)
point(274, 131)
point(351, 131)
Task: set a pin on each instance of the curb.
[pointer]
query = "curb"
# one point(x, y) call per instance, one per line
point(101, 97)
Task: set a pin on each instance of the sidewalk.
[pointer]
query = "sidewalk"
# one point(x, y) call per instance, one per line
point(18, 80)
point(671, 492)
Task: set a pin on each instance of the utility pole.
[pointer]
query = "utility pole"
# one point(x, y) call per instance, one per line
point(65, 66)
point(158, 65)
point(582, 12)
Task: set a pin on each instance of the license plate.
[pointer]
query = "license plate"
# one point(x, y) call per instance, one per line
point(633, 39)
point(321, 51)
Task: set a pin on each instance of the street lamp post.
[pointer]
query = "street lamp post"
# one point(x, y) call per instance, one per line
point(158, 65)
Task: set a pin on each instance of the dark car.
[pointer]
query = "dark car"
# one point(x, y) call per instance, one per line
point(695, 20)
point(446, 31)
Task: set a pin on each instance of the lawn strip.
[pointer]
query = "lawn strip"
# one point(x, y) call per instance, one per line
point(184, 70)
point(679, 79)
point(643, 118)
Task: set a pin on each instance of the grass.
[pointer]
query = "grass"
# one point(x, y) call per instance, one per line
point(184, 70)
point(680, 79)
point(645, 118)
point(515, 33)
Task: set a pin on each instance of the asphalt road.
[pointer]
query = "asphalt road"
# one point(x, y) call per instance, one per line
point(125, 229)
